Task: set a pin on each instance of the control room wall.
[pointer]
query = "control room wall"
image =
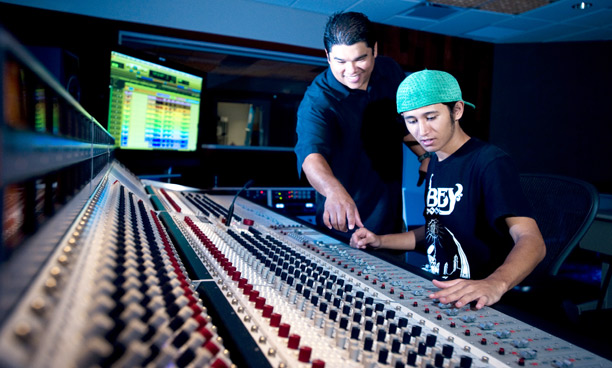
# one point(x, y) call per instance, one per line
point(234, 18)
point(550, 108)
point(91, 38)
point(545, 104)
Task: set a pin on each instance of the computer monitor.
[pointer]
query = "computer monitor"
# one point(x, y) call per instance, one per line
point(153, 106)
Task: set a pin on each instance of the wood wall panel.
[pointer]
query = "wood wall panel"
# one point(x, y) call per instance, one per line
point(471, 62)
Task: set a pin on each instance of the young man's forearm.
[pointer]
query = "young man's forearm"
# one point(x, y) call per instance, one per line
point(403, 241)
point(528, 251)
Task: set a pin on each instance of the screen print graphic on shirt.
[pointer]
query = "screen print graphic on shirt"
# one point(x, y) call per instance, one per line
point(444, 252)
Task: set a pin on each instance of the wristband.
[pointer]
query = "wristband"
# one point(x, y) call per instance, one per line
point(424, 156)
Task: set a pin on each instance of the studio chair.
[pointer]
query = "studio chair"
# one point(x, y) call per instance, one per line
point(598, 240)
point(564, 209)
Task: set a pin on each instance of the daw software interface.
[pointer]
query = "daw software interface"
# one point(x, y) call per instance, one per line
point(152, 106)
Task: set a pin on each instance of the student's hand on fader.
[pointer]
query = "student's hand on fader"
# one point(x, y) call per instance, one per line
point(461, 292)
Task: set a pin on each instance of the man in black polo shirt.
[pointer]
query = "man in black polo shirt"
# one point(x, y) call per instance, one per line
point(349, 135)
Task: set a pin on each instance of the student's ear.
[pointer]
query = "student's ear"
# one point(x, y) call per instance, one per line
point(458, 110)
point(375, 49)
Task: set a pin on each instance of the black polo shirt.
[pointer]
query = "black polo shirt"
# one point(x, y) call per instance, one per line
point(360, 135)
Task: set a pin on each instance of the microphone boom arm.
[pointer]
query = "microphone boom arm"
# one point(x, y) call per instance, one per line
point(230, 210)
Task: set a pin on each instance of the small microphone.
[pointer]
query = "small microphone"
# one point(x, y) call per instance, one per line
point(230, 210)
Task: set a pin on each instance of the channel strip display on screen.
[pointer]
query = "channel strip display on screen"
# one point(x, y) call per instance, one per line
point(152, 106)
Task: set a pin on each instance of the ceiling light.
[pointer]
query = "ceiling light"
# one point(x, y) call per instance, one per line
point(430, 11)
point(582, 5)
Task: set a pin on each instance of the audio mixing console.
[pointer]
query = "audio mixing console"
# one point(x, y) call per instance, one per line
point(150, 275)
point(307, 299)
point(112, 293)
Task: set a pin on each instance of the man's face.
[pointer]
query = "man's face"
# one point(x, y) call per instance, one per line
point(352, 65)
point(434, 127)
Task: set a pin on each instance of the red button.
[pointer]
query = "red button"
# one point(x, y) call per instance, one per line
point(283, 329)
point(219, 363)
point(267, 311)
point(294, 341)
point(206, 333)
point(253, 296)
point(275, 319)
point(260, 301)
point(212, 346)
point(305, 353)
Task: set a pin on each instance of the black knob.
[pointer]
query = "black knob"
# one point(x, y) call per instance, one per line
point(422, 349)
point(430, 340)
point(465, 362)
point(383, 354)
point(439, 360)
point(344, 323)
point(412, 358)
point(395, 346)
point(406, 337)
point(447, 351)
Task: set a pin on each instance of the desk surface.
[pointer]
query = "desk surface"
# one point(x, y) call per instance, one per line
point(599, 236)
point(605, 215)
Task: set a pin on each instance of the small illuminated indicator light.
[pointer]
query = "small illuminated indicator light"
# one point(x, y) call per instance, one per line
point(582, 5)
point(280, 205)
point(309, 205)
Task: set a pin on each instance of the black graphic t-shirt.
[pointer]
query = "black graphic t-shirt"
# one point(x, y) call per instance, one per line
point(467, 198)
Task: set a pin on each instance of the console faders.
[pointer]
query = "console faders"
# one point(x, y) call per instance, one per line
point(309, 300)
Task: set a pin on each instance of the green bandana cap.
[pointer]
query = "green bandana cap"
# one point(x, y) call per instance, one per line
point(427, 87)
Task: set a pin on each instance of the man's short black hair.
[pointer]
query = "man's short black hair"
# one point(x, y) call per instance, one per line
point(348, 29)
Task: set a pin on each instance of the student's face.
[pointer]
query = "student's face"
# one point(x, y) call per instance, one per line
point(352, 65)
point(435, 128)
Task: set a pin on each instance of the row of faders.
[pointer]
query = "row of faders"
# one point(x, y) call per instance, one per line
point(306, 314)
point(309, 301)
point(114, 294)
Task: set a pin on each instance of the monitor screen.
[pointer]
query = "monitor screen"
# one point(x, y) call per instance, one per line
point(152, 106)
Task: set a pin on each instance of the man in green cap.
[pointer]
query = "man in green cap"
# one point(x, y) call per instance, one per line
point(479, 235)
